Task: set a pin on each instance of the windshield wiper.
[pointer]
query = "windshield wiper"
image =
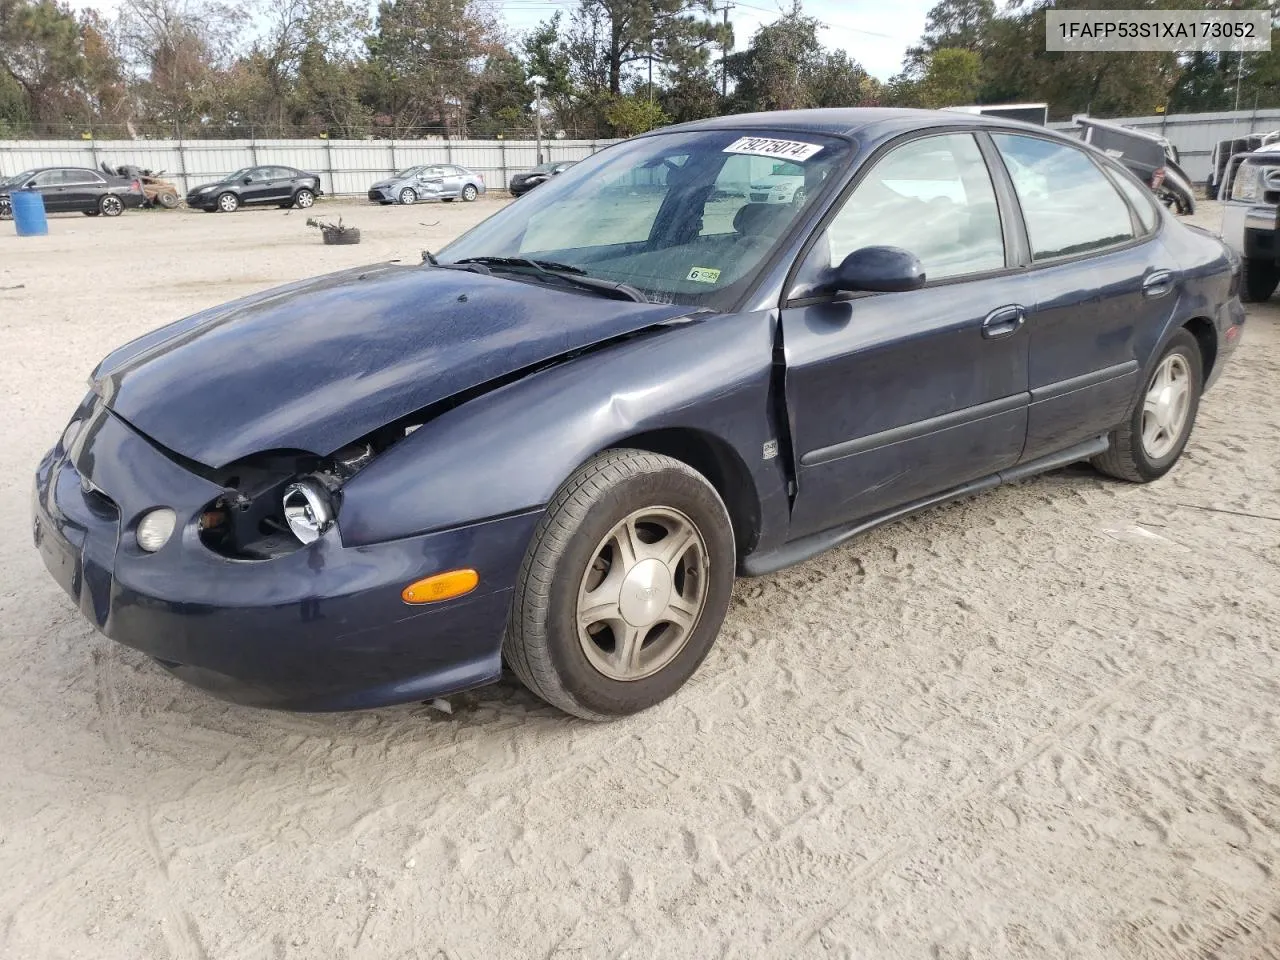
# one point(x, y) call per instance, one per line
point(561, 271)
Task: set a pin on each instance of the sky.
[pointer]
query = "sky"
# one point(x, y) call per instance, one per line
point(876, 33)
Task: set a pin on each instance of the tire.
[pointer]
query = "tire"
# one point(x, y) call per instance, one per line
point(615, 490)
point(1128, 456)
point(90, 213)
point(169, 201)
point(1258, 279)
point(6, 209)
point(469, 192)
point(109, 205)
point(304, 199)
point(228, 202)
point(447, 199)
point(407, 196)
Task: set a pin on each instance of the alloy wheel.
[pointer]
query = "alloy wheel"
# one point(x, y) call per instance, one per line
point(111, 206)
point(304, 199)
point(228, 203)
point(642, 593)
point(1165, 406)
point(408, 196)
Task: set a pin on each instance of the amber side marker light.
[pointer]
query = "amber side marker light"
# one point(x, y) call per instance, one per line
point(440, 586)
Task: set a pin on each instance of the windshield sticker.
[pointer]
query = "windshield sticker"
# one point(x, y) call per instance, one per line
point(765, 147)
point(703, 275)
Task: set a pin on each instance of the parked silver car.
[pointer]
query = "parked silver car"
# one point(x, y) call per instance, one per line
point(430, 181)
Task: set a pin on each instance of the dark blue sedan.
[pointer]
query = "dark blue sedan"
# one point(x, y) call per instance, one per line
point(557, 442)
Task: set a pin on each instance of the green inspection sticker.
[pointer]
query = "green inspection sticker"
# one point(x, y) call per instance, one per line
point(703, 275)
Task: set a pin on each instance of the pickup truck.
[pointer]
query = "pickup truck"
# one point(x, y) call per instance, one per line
point(1251, 219)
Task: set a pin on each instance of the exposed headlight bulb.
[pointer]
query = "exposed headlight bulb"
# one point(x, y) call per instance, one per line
point(307, 510)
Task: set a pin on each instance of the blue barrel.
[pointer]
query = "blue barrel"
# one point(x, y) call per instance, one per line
point(28, 213)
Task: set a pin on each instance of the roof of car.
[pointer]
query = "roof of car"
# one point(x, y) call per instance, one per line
point(852, 121)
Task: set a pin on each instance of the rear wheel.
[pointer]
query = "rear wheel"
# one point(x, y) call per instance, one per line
point(228, 203)
point(469, 192)
point(90, 213)
point(408, 195)
point(1258, 279)
point(1147, 446)
point(624, 586)
point(303, 199)
point(169, 201)
point(110, 205)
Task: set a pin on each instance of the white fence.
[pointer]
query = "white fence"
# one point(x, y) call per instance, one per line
point(346, 167)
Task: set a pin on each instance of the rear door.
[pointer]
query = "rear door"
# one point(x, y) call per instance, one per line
point(452, 184)
point(896, 396)
point(82, 189)
point(1103, 284)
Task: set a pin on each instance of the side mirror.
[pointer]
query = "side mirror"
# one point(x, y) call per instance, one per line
point(248, 180)
point(878, 269)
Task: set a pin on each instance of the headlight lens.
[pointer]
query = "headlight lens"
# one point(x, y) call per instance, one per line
point(1245, 186)
point(155, 529)
point(307, 510)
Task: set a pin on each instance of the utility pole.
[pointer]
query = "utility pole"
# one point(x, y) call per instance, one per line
point(537, 113)
point(724, 51)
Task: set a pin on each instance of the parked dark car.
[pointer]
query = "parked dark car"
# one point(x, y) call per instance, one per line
point(555, 443)
point(284, 187)
point(429, 181)
point(522, 183)
point(73, 190)
point(1151, 159)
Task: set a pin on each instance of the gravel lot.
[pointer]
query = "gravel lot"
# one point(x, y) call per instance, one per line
point(1041, 723)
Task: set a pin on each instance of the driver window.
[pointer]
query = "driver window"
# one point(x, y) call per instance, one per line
point(931, 196)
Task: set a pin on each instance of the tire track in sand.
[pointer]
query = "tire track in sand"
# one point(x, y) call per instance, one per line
point(179, 929)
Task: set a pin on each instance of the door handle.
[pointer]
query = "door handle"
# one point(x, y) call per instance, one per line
point(1003, 322)
point(1157, 284)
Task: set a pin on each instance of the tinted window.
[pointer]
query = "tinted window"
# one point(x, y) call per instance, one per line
point(1144, 204)
point(1068, 203)
point(933, 197)
point(80, 176)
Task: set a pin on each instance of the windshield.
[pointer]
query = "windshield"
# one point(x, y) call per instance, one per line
point(17, 178)
point(242, 172)
point(407, 172)
point(673, 215)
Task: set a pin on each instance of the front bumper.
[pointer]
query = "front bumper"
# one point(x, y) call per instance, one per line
point(381, 195)
point(321, 629)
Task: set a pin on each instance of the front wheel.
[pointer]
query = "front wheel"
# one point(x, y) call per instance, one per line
point(469, 192)
point(228, 203)
point(1258, 279)
point(624, 586)
point(408, 195)
point(1147, 446)
point(110, 205)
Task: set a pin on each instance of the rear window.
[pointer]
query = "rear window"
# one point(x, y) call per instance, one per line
point(1069, 205)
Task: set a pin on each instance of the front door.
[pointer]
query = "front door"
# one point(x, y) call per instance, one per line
point(258, 189)
point(49, 184)
point(896, 396)
point(1104, 286)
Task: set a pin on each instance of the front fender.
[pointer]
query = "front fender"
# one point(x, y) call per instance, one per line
point(507, 451)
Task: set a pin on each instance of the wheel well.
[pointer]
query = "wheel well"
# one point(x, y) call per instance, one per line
point(1202, 329)
point(720, 464)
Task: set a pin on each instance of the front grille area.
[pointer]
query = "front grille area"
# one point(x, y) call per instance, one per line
point(375, 194)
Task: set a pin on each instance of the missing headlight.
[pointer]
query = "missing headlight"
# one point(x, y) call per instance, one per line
point(307, 510)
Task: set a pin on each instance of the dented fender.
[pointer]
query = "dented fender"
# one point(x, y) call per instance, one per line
point(507, 451)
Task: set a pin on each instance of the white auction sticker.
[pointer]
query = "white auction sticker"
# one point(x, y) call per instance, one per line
point(782, 149)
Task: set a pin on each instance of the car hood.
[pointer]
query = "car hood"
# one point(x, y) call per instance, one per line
point(317, 364)
point(214, 183)
point(389, 182)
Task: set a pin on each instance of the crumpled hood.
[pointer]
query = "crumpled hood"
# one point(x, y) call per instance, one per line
point(390, 182)
point(320, 363)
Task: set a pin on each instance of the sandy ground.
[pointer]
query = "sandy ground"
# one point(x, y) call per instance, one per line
point(1042, 723)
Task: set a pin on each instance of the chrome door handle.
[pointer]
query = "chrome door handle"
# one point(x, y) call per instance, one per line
point(1003, 322)
point(1157, 284)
